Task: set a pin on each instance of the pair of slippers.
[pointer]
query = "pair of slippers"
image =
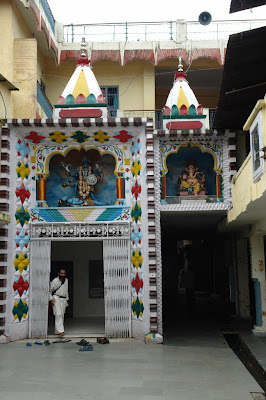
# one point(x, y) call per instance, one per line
point(88, 347)
point(62, 341)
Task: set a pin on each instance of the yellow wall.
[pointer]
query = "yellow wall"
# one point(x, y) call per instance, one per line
point(20, 62)
point(25, 72)
point(136, 81)
point(244, 190)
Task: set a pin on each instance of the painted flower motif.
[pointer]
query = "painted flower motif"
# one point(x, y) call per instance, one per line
point(58, 137)
point(22, 216)
point(123, 136)
point(137, 283)
point(22, 239)
point(136, 235)
point(101, 136)
point(22, 193)
point(137, 307)
point(21, 286)
point(22, 148)
point(80, 136)
point(23, 170)
point(35, 137)
point(136, 167)
point(135, 147)
point(136, 190)
point(20, 310)
point(136, 213)
point(137, 259)
point(21, 262)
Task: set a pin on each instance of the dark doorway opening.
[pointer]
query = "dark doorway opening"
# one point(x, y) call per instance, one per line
point(83, 261)
point(198, 289)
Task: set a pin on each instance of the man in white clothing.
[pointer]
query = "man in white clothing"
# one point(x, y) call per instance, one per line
point(59, 300)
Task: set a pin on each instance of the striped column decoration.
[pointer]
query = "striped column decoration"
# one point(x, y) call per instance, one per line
point(4, 208)
point(163, 187)
point(153, 219)
point(40, 190)
point(120, 184)
point(232, 153)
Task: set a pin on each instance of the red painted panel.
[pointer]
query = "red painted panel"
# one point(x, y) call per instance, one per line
point(81, 113)
point(184, 125)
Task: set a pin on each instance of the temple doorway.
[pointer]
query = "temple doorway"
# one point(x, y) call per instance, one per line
point(83, 261)
point(196, 271)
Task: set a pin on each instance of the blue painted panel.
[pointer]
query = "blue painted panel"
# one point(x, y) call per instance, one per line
point(42, 100)
point(48, 14)
point(258, 307)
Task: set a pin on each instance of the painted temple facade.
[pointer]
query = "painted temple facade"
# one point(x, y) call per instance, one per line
point(84, 176)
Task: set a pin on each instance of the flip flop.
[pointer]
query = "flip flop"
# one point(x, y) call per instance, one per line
point(86, 348)
point(40, 343)
point(28, 344)
point(82, 342)
point(102, 340)
point(65, 340)
point(47, 343)
point(58, 341)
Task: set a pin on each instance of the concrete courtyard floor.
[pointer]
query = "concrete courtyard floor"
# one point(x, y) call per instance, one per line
point(126, 370)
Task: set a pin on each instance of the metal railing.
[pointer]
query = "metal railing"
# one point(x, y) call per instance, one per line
point(185, 199)
point(157, 31)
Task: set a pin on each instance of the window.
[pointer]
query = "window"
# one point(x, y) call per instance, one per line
point(111, 96)
point(256, 144)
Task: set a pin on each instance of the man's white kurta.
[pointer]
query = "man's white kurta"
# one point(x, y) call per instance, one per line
point(60, 302)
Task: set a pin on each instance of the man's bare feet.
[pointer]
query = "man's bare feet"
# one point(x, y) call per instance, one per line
point(62, 334)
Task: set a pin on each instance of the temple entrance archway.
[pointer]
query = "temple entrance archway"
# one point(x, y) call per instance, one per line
point(100, 284)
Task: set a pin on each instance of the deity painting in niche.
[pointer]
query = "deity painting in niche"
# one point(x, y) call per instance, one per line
point(191, 180)
point(81, 179)
point(190, 172)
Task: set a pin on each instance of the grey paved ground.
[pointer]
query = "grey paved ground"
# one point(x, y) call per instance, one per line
point(124, 370)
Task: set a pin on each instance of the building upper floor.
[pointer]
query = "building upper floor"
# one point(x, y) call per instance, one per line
point(134, 63)
point(249, 184)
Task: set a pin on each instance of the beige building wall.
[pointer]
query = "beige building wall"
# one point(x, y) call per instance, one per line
point(136, 81)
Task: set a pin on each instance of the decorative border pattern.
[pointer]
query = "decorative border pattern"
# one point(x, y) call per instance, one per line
point(81, 214)
point(4, 206)
point(154, 247)
point(136, 230)
point(21, 255)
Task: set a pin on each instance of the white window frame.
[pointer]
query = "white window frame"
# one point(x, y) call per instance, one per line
point(257, 126)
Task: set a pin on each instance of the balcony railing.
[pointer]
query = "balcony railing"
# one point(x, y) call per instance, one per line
point(157, 31)
point(188, 199)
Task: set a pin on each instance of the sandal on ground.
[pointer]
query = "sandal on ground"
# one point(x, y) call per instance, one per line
point(102, 340)
point(82, 342)
point(65, 340)
point(28, 344)
point(58, 341)
point(40, 343)
point(86, 348)
point(47, 343)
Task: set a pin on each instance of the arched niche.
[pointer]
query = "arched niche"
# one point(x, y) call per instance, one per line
point(62, 181)
point(176, 163)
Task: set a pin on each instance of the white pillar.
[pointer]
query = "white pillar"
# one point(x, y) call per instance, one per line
point(258, 276)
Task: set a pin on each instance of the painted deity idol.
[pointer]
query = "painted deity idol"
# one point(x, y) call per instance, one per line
point(83, 180)
point(191, 180)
